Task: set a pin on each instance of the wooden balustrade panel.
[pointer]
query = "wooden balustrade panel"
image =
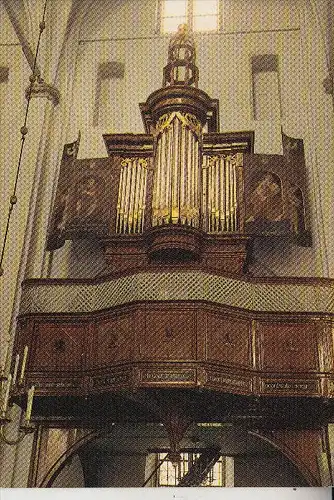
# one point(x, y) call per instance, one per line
point(58, 347)
point(228, 340)
point(170, 334)
point(289, 347)
point(169, 344)
point(112, 341)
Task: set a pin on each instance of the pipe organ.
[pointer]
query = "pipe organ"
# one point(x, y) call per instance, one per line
point(183, 189)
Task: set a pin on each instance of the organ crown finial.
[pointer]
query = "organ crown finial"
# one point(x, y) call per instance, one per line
point(181, 66)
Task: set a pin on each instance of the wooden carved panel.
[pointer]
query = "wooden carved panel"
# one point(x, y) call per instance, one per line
point(114, 379)
point(157, 376)
point(85, 199)
point(169, 335)
point(276, 192)
point(290, 387)
point(58, 347)
point(288, 347)
point(228, 340)
point(229, 382)
point(113, 340)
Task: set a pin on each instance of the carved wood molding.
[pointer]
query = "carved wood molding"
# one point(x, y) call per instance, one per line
point(180, 345)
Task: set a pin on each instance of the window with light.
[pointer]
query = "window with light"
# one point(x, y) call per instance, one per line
point(168, 475)
point(200, 15)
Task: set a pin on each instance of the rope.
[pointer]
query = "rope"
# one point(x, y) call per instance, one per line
point(24, 130)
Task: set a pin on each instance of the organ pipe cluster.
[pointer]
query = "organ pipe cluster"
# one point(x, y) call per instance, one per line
point(176, 197)
point(131, 202)
point(221, 192)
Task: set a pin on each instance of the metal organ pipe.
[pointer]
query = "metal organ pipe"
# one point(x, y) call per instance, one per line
point(156, 186)
point(191, 187)
point(217, 193)
point(170, 173)
point(231, 187)
point(179, 170)
point(235, 202)
point(119, 201)
point(176, 181)
point(175, 177)
point(136, 198)
point(143, 200)
point(222, 197)
point(212, 196)
point(194, 204)
point(163, 174)
point(227, 189)
point(203, 196)
point(188, 177)
point(183, 175)
point(221, 186)
point(131, 196)
point(126, 199)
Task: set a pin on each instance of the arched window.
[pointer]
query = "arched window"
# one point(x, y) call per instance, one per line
point(221, 473)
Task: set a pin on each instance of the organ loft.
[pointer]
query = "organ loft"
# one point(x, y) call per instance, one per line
point(178, 334)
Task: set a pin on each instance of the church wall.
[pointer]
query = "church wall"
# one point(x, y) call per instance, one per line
point(15, 460)
point(224, 61)
point(11, 119)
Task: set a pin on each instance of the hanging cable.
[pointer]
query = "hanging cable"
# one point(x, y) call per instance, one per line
point(24, 130)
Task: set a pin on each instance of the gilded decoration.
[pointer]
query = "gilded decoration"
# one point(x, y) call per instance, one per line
point(234, 159)
point(143, 162)
point(187, 120)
